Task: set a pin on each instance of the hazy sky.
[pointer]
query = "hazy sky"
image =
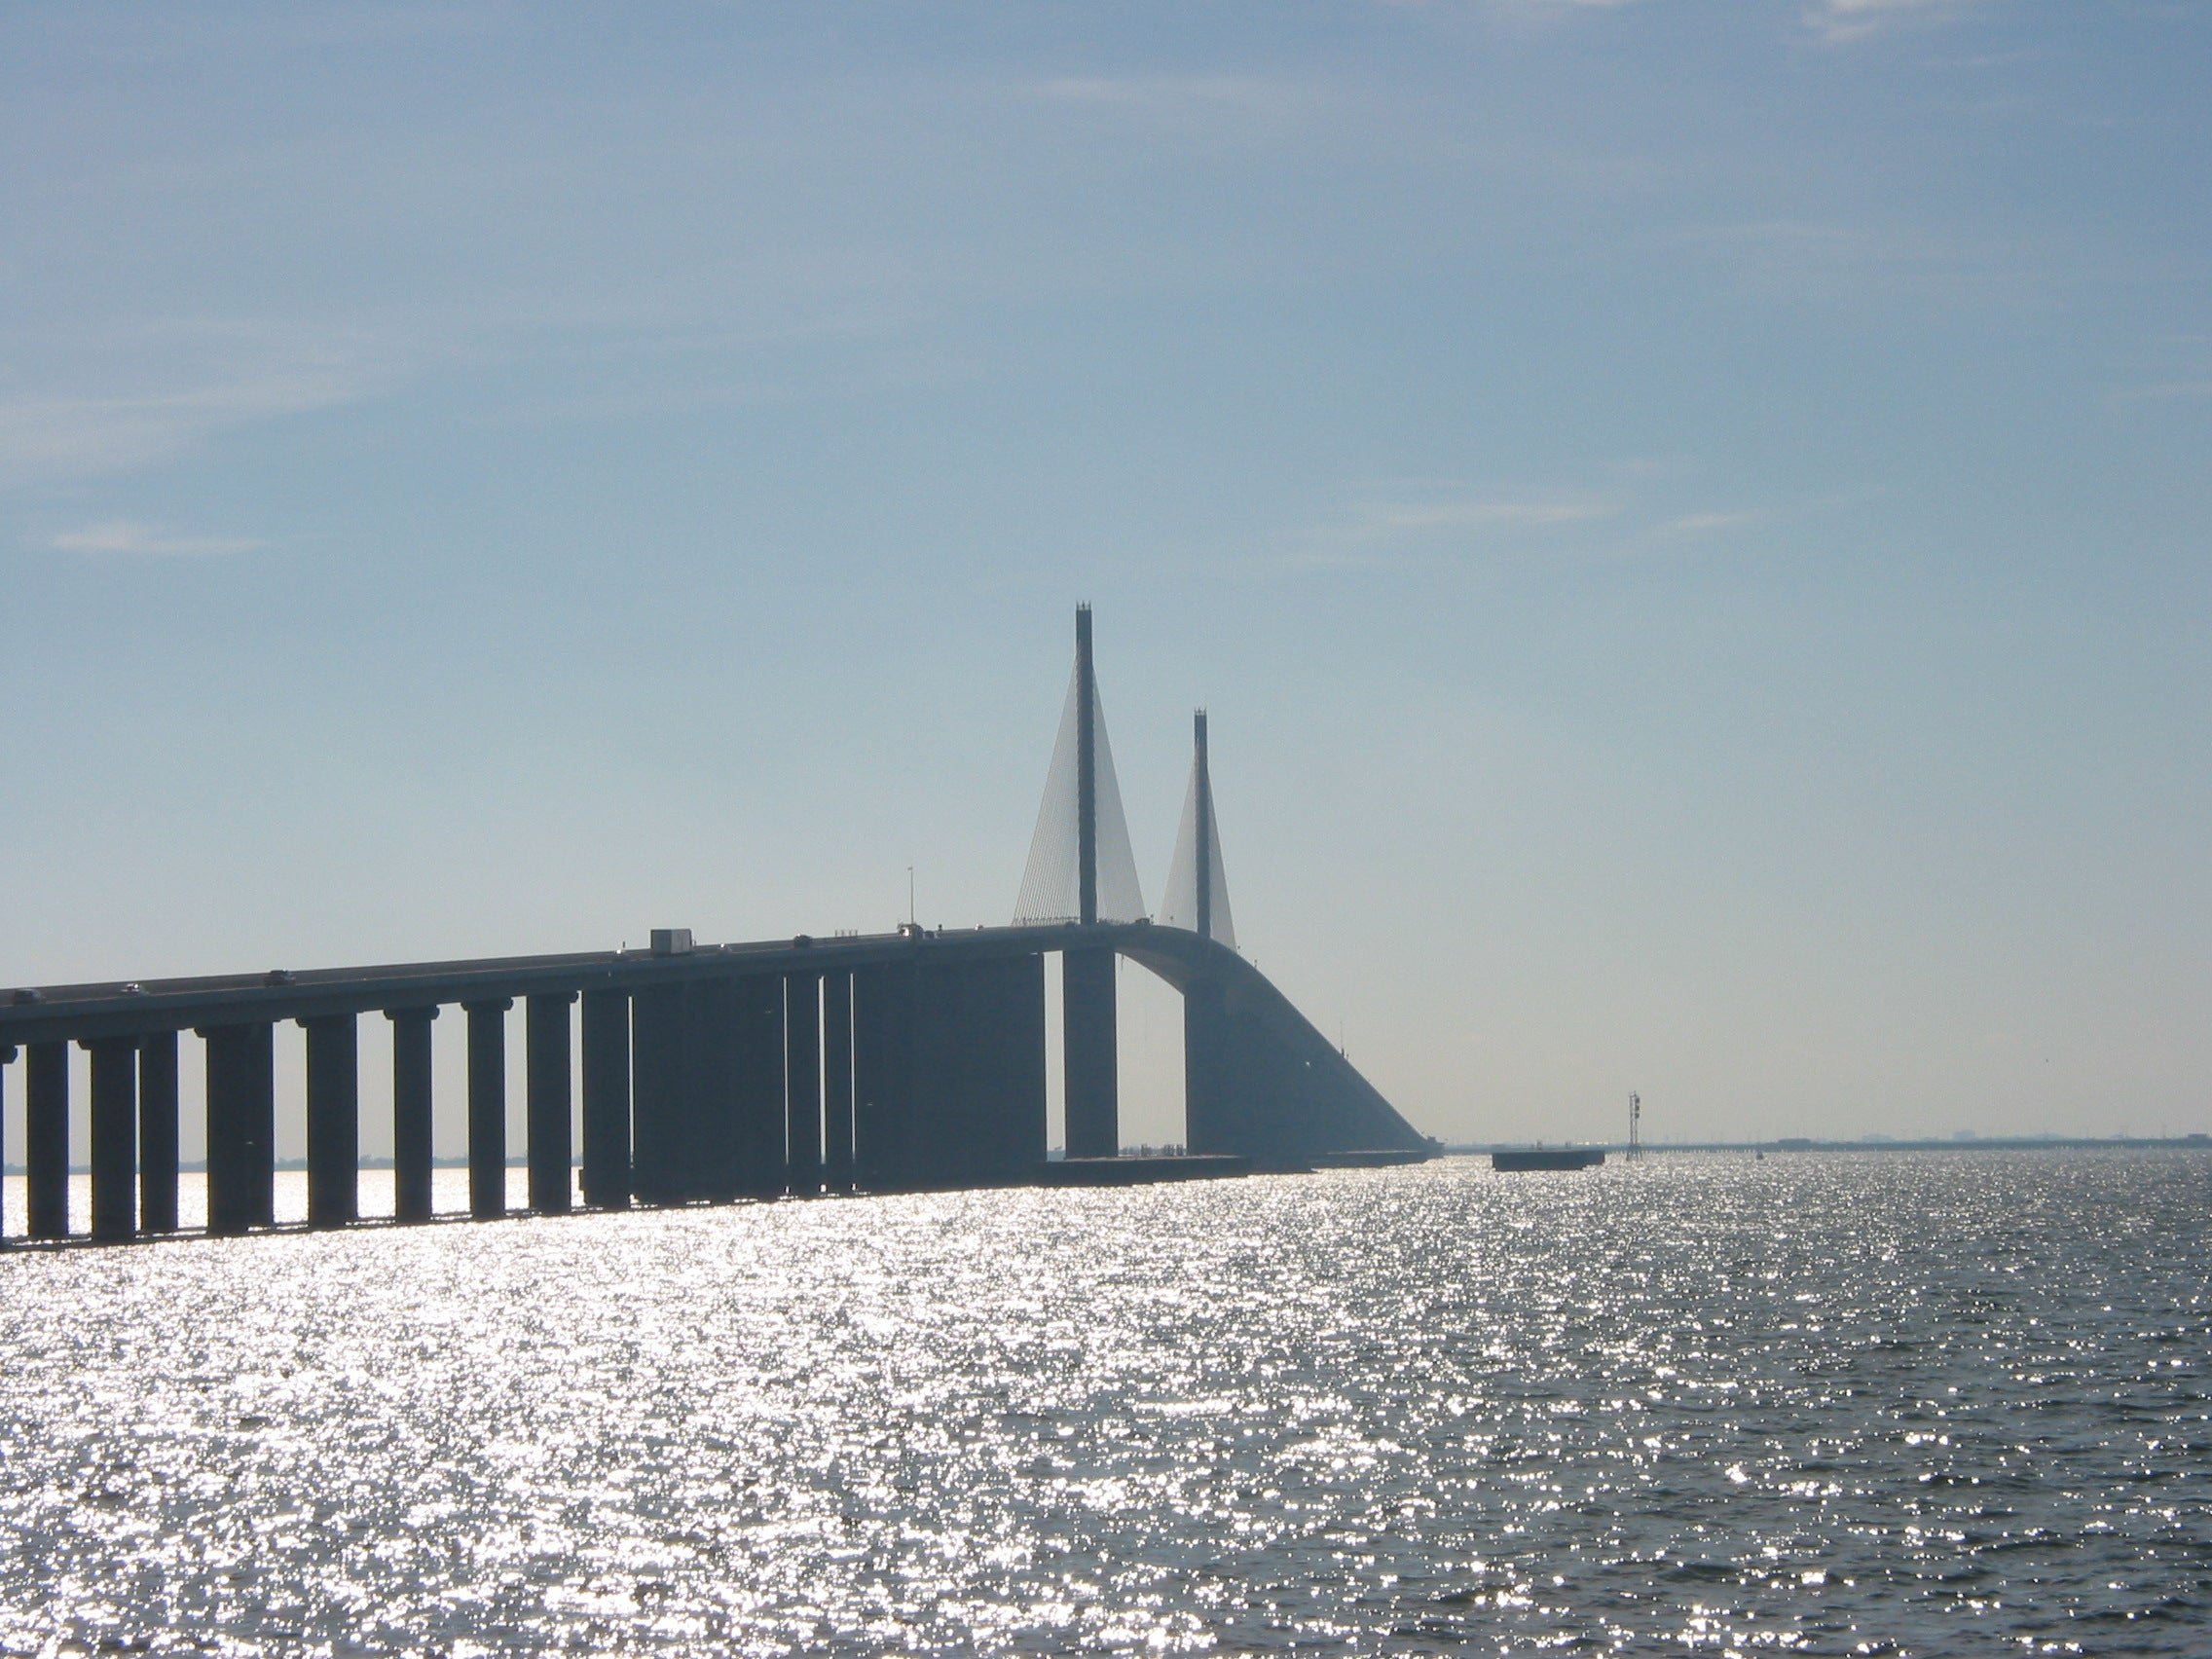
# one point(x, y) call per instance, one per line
point(1690, 519)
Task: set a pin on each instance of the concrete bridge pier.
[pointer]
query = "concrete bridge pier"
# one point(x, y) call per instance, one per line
point(45, 1139)
point(546, 1043)
point(606, 1099)
point(488, 1106)
point(656, 1034)
point(936, 1090)
point(838, 1082)
point(260, 1122)
point(802, 1082)
point(334, 1119)
point(1026, 1085)
point(1089, 1053)
point(715, 1141)
point(115, 1136)
point(969, 1035)
point(157, 1133)
point(411, 1145)
point(757, 1080)
point(7, 1059)
point(882, 1067)
point(1007, 1014)
point(947, 1073)
point(1210, 1118)
point(228, 1209)
point(241, 1120)
point(704, 1089)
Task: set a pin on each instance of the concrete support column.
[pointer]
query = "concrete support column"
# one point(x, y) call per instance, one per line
point(1090, 1054)
point(882, 1077)
point(713, 1154)
point(656, 1107)
point(488, 1106)
point(838, 1082)
point(552, 1153)
point(241, 1093)
point(157, 1133)
point(45, 1139)
point(802, 1081)
point(334, 1119)
point(226, 1186)
point(260, 1049)
point(940, 1096)
point(1030, 1108)
point(1209, 1113)
point(115, 1137)
point(606, 1099)
point(411, 1145)
point(7, 1059)
point(1008, 1071)
point(763, 1157)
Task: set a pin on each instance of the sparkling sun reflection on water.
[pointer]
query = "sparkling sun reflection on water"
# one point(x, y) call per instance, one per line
point(1926, 1404)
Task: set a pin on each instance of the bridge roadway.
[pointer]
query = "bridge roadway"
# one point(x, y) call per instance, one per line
point(888, 1062)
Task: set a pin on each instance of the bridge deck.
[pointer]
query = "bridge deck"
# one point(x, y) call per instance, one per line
point(889, 1063)
point(117, 1006)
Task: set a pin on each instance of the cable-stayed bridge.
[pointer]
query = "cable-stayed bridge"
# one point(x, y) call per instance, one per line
point(895, 1062)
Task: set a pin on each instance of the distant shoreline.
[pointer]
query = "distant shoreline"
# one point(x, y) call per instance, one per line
point(1793, 1143)
point(1483, 1148)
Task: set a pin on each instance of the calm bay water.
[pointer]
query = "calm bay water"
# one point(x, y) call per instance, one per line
point(1926, 1404)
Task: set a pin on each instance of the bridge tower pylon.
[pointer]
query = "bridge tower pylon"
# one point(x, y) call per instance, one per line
point(1216, 1116)
point(1198, 888)
point(1080, 870)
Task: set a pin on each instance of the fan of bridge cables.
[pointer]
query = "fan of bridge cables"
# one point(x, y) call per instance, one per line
point(1179, 905)
point(1051, 882)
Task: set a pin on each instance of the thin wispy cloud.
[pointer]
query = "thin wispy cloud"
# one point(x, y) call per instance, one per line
point(1155, 90)
point(49, 437)
point(1386, 520)
point(1561, 7)
point(1712, 523)
point(1411, 525)
point(130, 539)
point(1856, 262)
point(1408, 522)
point(1517, 11)
point(1843, 20)
point(1267, 103)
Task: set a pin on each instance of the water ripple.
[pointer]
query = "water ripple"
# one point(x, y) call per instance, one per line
point(1821, 1405)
